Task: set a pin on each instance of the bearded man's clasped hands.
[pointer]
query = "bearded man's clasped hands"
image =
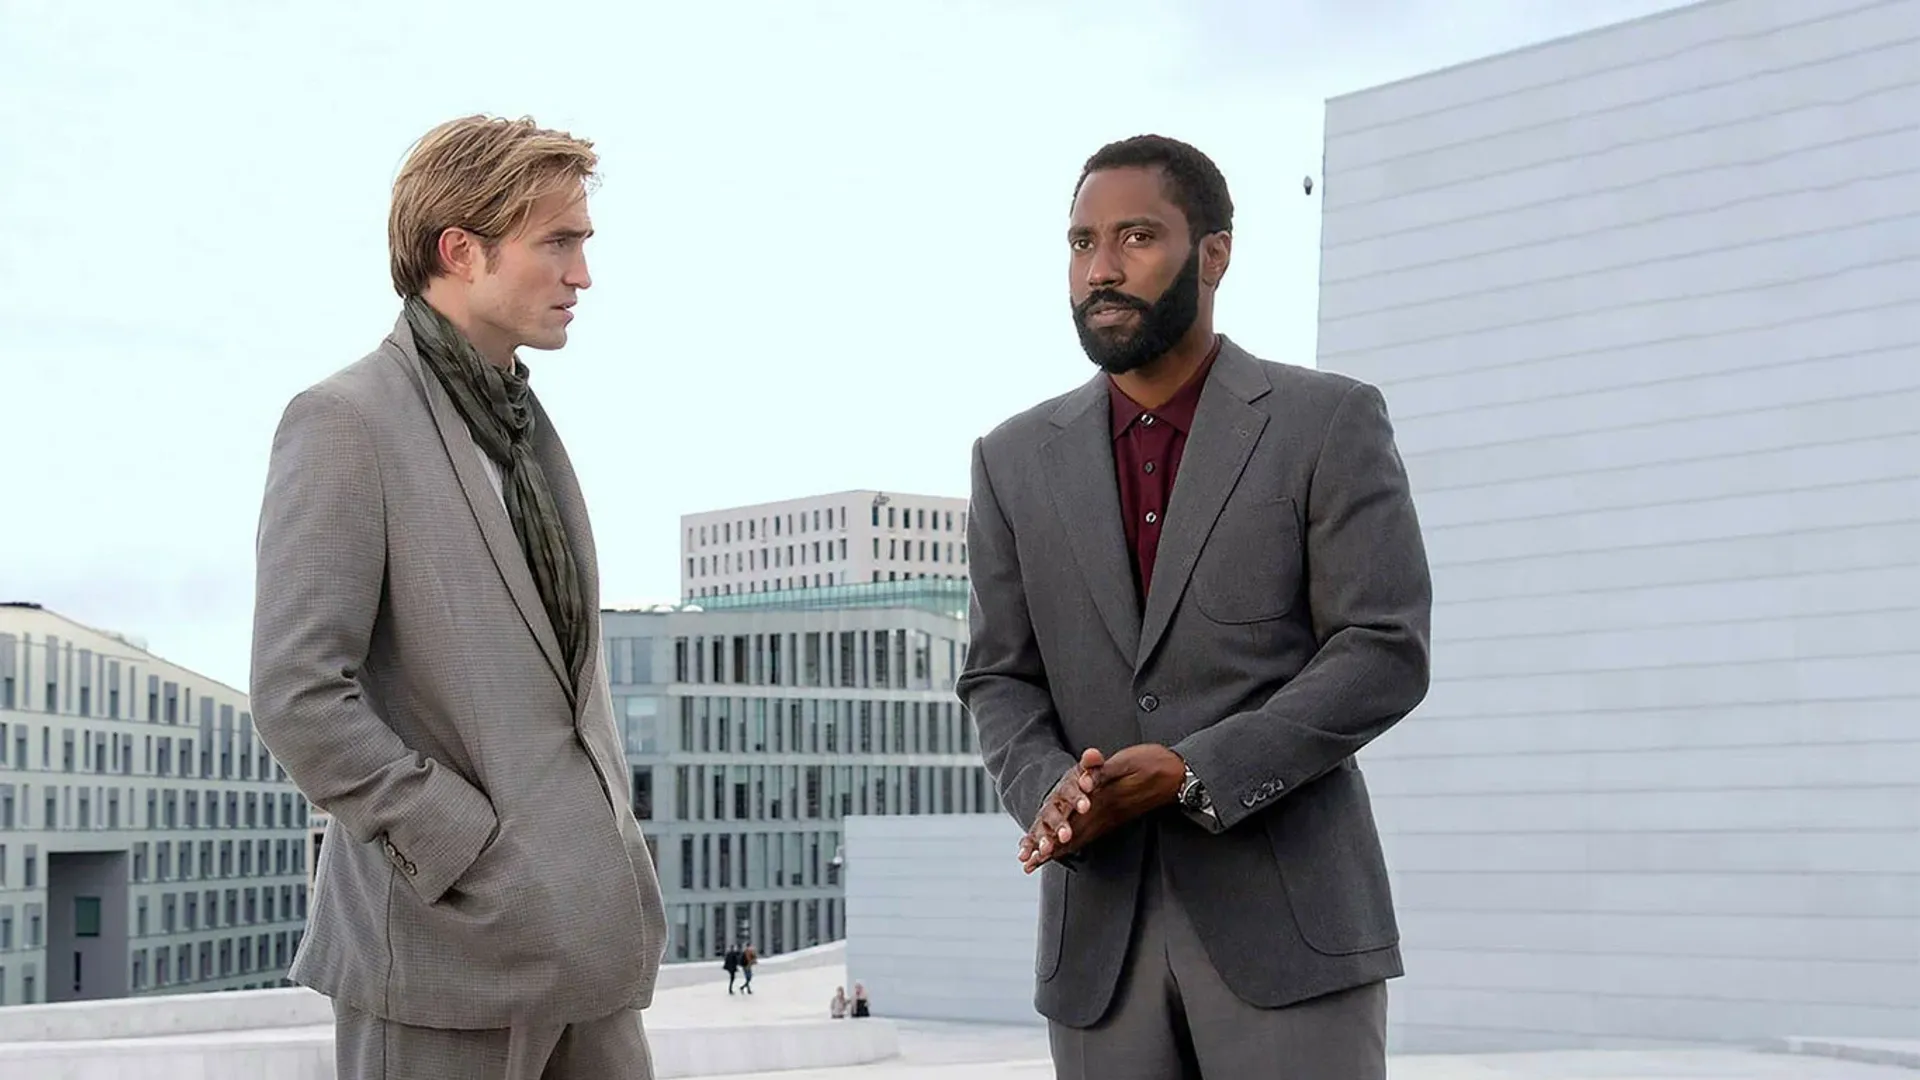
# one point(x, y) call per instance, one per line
point(1097, 795)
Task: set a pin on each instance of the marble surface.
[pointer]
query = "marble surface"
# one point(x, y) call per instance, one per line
point(1902, 1052)
point(783, 1032)
point(695, 1027)
point(918, 1061)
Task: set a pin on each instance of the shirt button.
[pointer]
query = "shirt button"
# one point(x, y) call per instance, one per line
point(1152, 517)
point(1147, 420)
point(1148, 702)
point(1148, 466)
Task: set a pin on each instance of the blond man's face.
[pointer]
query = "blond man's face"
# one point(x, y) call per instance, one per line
point(525, 293)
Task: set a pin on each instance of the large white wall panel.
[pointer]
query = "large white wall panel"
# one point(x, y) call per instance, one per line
point(942, 922)
point(1646, 306)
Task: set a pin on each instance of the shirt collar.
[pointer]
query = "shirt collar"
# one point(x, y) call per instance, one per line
point(1179, 410)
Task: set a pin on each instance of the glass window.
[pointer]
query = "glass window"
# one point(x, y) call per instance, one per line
point(86, 916)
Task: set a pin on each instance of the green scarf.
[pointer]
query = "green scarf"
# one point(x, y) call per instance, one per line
point(498, 408)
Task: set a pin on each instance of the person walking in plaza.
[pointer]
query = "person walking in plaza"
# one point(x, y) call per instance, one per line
point(748, 958)
point(731, 962)
point(426, 653)
point(1198, 589)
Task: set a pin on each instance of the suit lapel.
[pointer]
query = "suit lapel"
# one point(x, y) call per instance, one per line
point(1086, 495)
point(488, 513)
point(1225, 429)
point(551, 453)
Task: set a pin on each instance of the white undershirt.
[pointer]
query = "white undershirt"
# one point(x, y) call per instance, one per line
point(495, 476)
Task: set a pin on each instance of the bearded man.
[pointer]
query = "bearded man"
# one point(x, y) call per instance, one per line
point(1171, 679)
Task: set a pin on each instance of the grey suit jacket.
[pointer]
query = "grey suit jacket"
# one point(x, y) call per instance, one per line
point(483, 867)
point(1286, 628)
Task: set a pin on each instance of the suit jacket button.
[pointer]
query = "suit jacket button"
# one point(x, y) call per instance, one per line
point(412, 870)
point(1148, 702)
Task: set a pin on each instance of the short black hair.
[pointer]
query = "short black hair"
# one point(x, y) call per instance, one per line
point(1194, 183)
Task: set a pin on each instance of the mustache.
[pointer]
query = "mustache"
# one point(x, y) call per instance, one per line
point(1110, 298)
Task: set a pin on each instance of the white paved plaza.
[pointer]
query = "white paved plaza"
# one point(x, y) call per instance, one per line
point(698, 1029)
point(937, 1051)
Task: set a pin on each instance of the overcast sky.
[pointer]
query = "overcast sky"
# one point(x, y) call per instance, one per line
point(830, 249)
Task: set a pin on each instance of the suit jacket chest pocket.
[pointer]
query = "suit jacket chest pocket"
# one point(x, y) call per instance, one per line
point(1251, 567)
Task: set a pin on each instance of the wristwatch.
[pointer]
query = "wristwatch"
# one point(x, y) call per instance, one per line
point(1193, 794)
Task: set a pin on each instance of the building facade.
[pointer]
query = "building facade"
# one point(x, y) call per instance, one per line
point(755, 727)
point(317, 822)
point(1645, 304)
point(148, 841)
point(853, 537)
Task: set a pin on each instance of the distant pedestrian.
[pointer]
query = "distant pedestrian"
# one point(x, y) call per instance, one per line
point(747, 960)
point(733, 963)
point(860, 1007)
point(837, 1008)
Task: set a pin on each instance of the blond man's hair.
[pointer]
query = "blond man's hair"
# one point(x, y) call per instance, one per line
point(478, 173)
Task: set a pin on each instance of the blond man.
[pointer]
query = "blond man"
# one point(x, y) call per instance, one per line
point(426, 661)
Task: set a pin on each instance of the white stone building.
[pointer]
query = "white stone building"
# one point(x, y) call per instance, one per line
point(148, 841)
point(848, 538)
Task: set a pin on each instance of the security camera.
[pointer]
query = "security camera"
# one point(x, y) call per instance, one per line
point(1306, 184)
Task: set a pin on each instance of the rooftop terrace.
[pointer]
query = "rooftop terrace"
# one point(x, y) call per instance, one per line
point(781, 1031)
point(940, 596)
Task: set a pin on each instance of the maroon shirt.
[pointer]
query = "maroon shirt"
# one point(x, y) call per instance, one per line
point(1147, 444)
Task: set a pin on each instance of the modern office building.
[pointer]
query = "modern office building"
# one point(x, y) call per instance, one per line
point(848, 538)
point(755, 726)
point(317, 822)
point(148, 841)
point(1645, 304)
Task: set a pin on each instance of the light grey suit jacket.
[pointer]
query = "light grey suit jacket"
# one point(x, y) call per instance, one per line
point(1286, 627)
point(483, 867)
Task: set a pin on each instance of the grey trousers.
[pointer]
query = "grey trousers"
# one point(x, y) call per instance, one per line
point(369, 1048)
point(1173, 1018)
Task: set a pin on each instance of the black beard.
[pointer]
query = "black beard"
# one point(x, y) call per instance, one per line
point(1161, 324)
